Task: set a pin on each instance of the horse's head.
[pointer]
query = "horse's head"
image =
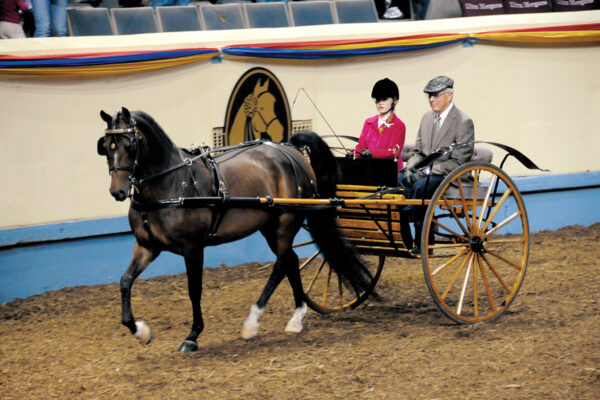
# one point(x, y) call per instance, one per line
point(120, 145)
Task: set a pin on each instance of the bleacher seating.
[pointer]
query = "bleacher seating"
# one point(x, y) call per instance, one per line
point(317, 12)
point(178, 18)
point(88, 21)
point(222, 16)
point(353, 11)
point(134, 20)
point(267, 15)
point(110, 19)
point(443, 9)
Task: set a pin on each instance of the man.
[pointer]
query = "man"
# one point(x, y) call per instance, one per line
point(443, 125)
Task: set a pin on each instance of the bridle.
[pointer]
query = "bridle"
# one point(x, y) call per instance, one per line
point(132, 134)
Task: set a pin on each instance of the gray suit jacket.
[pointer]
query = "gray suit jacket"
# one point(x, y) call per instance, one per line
point(457, 127)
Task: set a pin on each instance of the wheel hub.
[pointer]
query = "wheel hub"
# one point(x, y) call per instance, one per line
point(477, 244)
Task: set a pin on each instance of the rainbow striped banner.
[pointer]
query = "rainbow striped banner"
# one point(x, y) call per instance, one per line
point(123, 62)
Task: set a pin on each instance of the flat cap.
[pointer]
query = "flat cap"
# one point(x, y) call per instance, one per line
point(438, 83)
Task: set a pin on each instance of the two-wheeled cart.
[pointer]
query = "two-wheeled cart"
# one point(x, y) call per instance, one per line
point(474, 242)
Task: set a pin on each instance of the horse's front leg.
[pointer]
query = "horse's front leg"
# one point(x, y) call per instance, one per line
point(194, 261)
point(141, 257)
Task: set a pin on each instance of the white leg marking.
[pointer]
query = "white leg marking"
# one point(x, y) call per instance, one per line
point(143, 332)
point(251, 325)
point(295, 324)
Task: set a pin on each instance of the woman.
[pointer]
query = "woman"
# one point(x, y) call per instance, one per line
point(383, 135)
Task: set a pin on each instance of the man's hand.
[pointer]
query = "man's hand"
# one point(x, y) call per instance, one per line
point(411, 175)
point(366, 153)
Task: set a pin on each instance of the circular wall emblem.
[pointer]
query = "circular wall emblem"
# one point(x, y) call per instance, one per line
point(258, 109)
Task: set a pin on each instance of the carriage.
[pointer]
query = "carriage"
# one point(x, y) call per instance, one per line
point(474, 242)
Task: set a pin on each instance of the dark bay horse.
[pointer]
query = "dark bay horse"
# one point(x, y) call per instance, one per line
point(145, 165)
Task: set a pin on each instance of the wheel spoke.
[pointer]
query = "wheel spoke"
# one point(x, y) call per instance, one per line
point(314, 278)
point(493, 269)
point(450, 230)
point(501, 224)
point(497, 207)
point(474, 200)
point(464, 205)
point(475, 294)
point(485, 201)
point(455, 216)
point(506, 260)
point(464, 286)
point(450, 261)
point(303, 244)
point(519, 239)
point(326, 287)
point(488, 289)
point(455, 276)
point(309, 260)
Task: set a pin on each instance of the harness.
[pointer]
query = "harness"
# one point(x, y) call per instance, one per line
point(220, 194)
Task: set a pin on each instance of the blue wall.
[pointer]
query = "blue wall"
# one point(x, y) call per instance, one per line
point(49, 257)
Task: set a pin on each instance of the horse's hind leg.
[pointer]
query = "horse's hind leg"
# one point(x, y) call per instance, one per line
point(141, 257)
point(194, 260)
point(251, 325)
point(293, 274)
point(286, 264)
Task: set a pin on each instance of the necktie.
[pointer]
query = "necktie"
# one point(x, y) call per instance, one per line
point(436, 126)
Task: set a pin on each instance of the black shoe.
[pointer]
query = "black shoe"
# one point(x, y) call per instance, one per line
point(415, 251)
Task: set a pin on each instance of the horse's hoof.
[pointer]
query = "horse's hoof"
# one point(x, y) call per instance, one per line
point(143, 332)
point(249, 332)
point(294, 327)
point(188, 346)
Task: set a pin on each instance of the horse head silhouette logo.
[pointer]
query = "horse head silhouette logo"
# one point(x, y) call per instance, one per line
point(258, 109)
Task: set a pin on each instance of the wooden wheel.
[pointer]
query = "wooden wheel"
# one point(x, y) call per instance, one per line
point(323, 289)
point(475, 243)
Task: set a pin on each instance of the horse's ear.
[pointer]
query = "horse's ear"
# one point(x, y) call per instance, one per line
point(126, 114)
point(101, 149)
point(107, 118)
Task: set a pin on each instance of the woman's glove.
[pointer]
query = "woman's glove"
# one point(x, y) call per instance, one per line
point(366, 153)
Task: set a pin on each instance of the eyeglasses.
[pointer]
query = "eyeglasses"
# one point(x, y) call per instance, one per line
point(438, 94)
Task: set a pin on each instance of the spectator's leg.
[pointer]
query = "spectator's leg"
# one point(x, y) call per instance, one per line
point(41, 14)
point(59, 17)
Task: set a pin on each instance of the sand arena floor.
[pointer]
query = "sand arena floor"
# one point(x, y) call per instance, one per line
point(69, 344)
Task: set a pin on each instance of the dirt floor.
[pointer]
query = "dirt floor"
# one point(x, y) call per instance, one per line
point(69, 344)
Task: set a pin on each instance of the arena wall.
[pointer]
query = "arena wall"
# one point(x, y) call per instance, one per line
point(542, 99)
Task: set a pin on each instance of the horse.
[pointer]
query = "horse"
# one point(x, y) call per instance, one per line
point(146, 166)
point(256, 119)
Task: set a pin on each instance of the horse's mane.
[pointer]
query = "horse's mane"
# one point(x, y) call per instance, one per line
point(150, 124)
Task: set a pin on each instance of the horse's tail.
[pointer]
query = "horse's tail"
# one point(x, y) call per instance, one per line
point(322, 224)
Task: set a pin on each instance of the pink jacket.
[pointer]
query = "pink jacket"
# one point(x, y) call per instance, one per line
point(382, 144)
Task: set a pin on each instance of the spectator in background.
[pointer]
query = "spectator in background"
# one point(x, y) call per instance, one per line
point(10, 21)
point(162, 3)
point(388, 9)
point(420, 8)
point(50, 17)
